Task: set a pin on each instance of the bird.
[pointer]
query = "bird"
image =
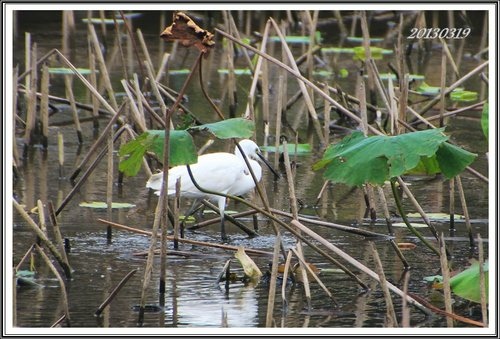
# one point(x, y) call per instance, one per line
point(221, 172)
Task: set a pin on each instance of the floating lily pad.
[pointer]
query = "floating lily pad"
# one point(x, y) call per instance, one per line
point(463, 96)
point(237, 71)
point(376, 52)
point(179, 71)
point(361, 39)
point(64, 71)
point(435, 216)
point(102, 204)
point(414, 224)
point(386, 76)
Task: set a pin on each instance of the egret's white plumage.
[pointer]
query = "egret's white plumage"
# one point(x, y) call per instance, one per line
point(221, 172)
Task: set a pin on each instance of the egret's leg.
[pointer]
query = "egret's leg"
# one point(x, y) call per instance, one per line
point(222, 206)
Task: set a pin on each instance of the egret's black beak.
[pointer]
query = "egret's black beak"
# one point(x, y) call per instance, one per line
point(268, 164)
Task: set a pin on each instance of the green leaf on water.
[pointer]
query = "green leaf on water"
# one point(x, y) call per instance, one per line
point(361, 39)
point(414, 224)
point(301, 149)
point(435, 216)
point(179, 71)
point(357, 159)
point(102, 204)
point(485, 119)
point(229, 128)
point(182, 149)
point(237, 71)
point(343, 73)
point(463, 96)
point(386, 76)
point(376, 52)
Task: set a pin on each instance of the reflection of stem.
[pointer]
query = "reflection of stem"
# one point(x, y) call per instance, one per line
point(405, 219)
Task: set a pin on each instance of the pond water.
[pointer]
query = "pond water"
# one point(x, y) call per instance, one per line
point(193, 298)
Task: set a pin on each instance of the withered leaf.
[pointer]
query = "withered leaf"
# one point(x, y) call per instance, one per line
point(188, 33)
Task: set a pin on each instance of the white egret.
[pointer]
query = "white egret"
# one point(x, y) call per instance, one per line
point(220, 172)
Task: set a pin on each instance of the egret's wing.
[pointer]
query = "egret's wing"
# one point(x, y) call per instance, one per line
point(214, 172)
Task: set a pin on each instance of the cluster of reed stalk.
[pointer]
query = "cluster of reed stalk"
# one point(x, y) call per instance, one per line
point(136, 114)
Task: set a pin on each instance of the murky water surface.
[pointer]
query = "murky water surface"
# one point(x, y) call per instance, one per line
point(193, 298)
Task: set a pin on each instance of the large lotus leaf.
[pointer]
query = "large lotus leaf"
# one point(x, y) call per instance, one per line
point(182, 149)
point(453, 159)
point(358, 159)
point(230, 128)
point(466, 283)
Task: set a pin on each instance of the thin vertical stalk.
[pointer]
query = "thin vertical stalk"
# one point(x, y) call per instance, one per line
point(340, 22)
point(15, 153)
point(265, 93)
point(103, 68)
point(452, 204)
point(41, 216)
point(272, 282)
point(109, 182)
point(295, 214)
point(465, 210)
point(445, 271)
point(391, 314)
point(59, 279)
point(482, 281)
point(145, 50)
point(285, 282)
point(387, 215)
point(68, 81)
point(44, 106)
point(305, 93)
point(57, 233)
point(176, 212)
point(93, 82)
point(405, 310)
point(279, 109)
point(326, 121)
point(442, 98)
point(60, 148)
point(27, 63)
point(31, 97)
